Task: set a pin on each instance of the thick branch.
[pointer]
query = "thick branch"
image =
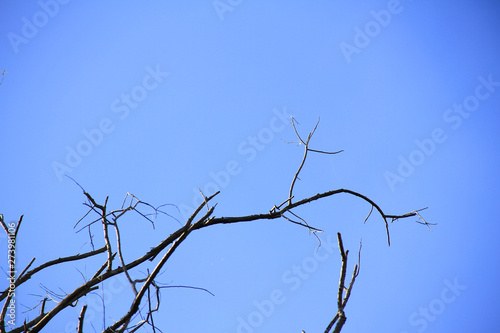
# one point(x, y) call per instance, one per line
point(276, 214)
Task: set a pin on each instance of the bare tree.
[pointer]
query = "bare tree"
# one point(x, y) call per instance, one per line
point(146, 291)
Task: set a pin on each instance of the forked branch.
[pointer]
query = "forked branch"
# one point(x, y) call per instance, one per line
point(306, 150)
point(340, 318)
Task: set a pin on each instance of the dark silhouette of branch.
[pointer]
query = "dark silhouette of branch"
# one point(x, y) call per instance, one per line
point(339, 319)
point(306, 150)
point(105, 223)
point(176, 238)
point(80, 319)
point(23, 278)
point(148, 288)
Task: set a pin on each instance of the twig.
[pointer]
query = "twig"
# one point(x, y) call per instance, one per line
point(326, 152)
point(29, 274)
point(339, 319)
point(26, 268)
point(306, 144)
point(80, 319)
point(106, 235)
point(42, 308)
point(123, 322)
point(120, 255)
point(99, 271)
point(6, 228)
point(306, 150)
point(188, 287)
point(312, 229)
point(369, 214)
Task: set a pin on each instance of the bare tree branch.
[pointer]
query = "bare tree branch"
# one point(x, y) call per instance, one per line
point(135, 304)
point(120, 255)
point(29, 274)
point(143, 301)
point(176, 238)
point(339, 319)
point(306, 144)
point(306, 150)
point(80, 319)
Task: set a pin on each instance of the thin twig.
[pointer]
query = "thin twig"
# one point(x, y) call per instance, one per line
point(120, 255)
point(30, 273)
point(188, 287)
point(99, 271)
point(312, 229)
point(304, 157)
point(326, 152)
point(370, 213)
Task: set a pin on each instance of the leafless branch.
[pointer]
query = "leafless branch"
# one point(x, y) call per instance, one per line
point(123, 322)
point(303, 223)
point(369, 214)
point(279, 213)
point(188, 287)
point(306, 150)
point(25, 269)
point(99, 271)
point(80, 319)
point(174, 240)
point(339, 319)
point(6, 228)
point(143, 307)
point(120, 255)
point(326, 152)
point(29, 274)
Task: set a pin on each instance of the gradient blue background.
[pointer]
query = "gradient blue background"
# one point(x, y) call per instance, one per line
point(227, 73)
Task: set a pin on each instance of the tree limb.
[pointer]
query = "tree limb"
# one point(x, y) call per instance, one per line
point(339, 319)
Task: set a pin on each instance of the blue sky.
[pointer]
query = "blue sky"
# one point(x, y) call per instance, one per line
point(160, 99)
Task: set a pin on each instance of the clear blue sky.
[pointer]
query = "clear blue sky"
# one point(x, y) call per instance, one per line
point(158, 99)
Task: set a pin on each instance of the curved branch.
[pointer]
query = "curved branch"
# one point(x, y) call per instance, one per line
point(278, 213)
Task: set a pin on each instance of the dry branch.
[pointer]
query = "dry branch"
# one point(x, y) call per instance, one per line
point(23, 278)
point(306, 150)
point(339, 319)
point(168, 247)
